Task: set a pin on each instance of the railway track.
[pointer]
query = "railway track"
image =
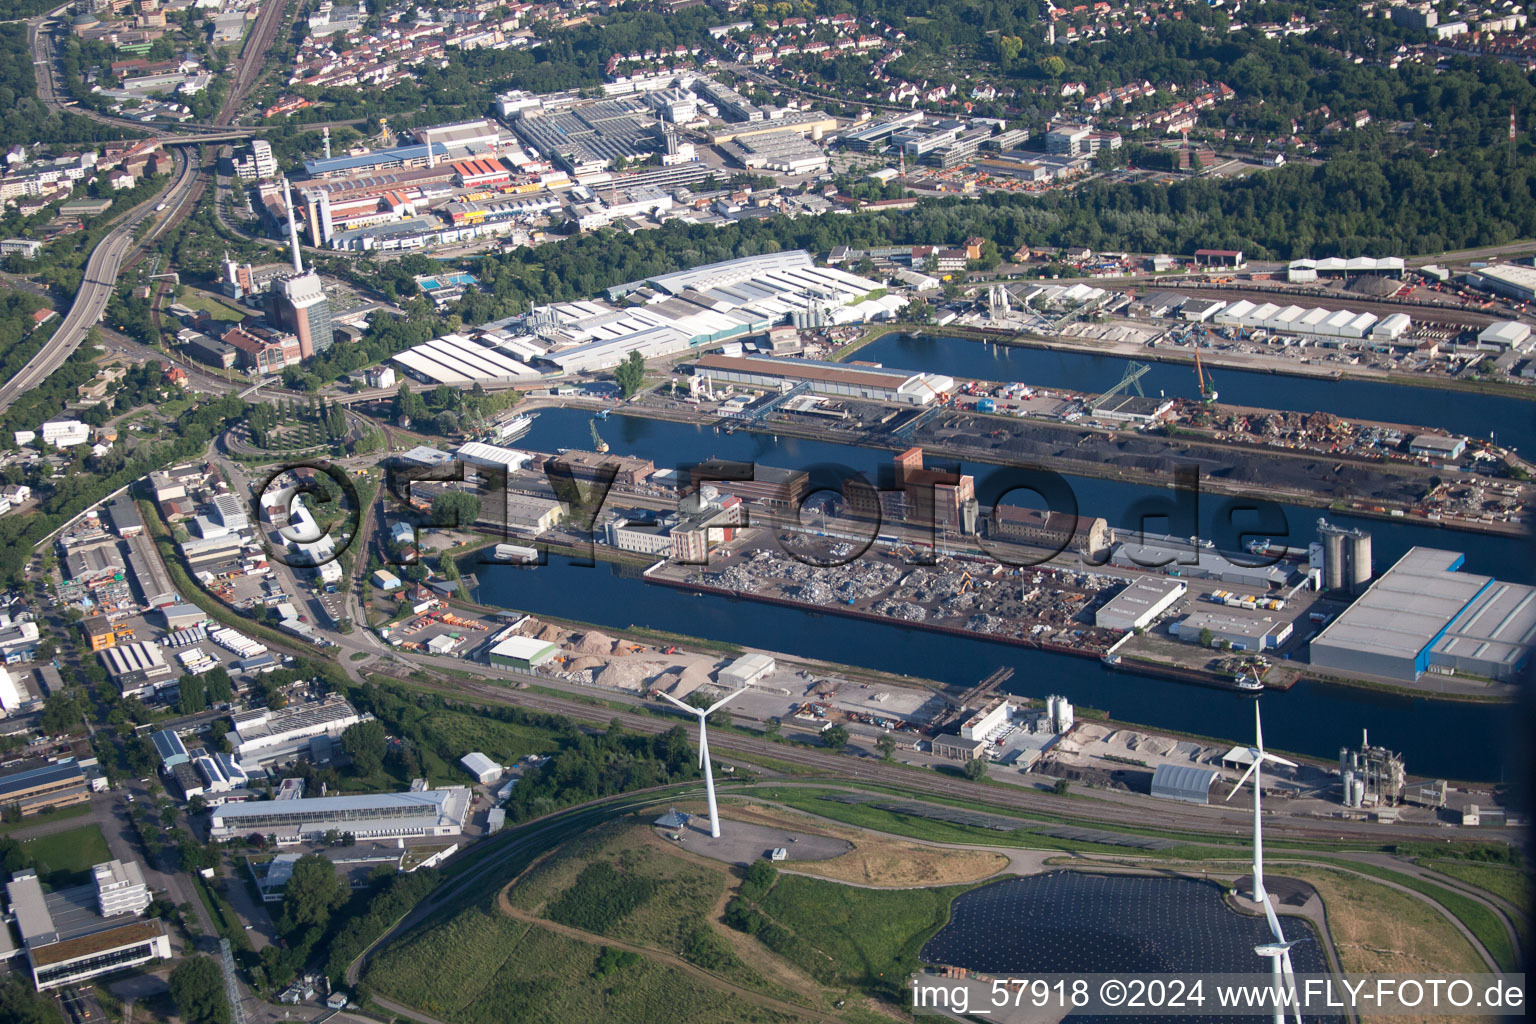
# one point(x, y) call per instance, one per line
point(1106, 809)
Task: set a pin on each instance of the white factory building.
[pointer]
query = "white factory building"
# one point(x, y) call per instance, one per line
point(483, 769)
point(464, 359)
point(1423, 615)
point(703, 306)
point(1140, 603)
point(430, 812)
point(1517, 282)
point(264, 736)
point(871, 383)
point(672, 313)
point(1314, 322)
point(1303, 271)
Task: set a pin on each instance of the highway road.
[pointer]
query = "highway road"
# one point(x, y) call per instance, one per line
point(108, 259)
point(96, 289)
point(49, 90)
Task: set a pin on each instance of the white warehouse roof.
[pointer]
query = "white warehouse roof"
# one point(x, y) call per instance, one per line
point(1505, 334)
point(480, 766)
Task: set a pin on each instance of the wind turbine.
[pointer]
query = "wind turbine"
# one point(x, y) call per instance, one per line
point(1278, 950)
point(709, 773)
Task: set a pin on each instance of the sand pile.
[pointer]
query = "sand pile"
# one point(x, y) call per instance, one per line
point(592, 642)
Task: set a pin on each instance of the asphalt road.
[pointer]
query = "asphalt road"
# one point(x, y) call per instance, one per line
point(96, 289)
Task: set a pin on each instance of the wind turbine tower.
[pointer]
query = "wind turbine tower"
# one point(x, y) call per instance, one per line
point(704, 763)
point(1278, 950)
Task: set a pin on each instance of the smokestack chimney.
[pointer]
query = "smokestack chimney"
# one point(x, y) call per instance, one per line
point(293, 229)
point(325, 133)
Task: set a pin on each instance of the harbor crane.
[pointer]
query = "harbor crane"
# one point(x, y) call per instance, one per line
point(1131, 379)
point(1206, 382)
point(598, 444)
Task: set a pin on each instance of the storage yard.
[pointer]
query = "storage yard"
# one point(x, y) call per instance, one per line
point(1037, 607)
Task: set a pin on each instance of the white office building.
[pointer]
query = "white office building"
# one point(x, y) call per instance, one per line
point(69, 938)
point(120, 888)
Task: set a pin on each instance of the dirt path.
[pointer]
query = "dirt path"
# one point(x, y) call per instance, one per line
point(714, 981)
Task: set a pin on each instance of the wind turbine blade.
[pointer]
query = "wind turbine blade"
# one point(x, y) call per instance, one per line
point(1290, 981)
point(1258, 729)
point(703, 745)
point(721, 702)
point(1244, 780)
point(1273, 918)
point(1277, 759)
point(686, 707)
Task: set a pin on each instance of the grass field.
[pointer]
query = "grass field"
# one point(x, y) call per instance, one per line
point(486, 968)
point(66, 858)
point(1505, 880)
point(33, 820)
point(861, 938)
point(622, 882)
point(875, 859)
point(914, 827)
point(1479, 920)
point(1378, 929)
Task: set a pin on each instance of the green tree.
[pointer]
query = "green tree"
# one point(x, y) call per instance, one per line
point(886, 744)
point(312, 893)
point(630, 374)
point(1205, 637)
point(455, 508)
point(1008, 48)
point(836, 738)
point(219, 687)
point(976, 769)
point(1052, 66)
point(365, 743)
point(197, 988)
point(193, 695)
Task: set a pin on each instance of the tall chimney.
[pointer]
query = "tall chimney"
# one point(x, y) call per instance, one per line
point(325, 133)
point(293, 228)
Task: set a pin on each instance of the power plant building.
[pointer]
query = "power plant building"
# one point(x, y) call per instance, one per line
point(1423, 615)
point(297, 303)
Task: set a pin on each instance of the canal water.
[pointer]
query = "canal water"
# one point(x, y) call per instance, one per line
point(1069, 923)
point(1512, 420)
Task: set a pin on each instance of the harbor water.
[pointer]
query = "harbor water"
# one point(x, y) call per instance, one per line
point(1453, 740)
point(1511, 421)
